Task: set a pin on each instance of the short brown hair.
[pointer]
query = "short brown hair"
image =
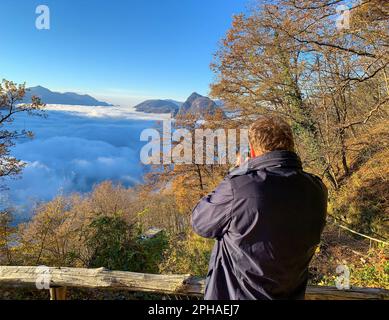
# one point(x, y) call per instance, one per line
point(270, 133)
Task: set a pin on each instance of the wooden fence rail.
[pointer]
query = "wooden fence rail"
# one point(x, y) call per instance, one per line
point(58, 279)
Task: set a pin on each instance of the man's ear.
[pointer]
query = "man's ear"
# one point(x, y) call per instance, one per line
point(252, 151)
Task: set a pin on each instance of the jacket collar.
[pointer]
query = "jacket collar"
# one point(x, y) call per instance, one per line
point(278, 158)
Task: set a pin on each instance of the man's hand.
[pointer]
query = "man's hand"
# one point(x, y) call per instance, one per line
point(240, 160)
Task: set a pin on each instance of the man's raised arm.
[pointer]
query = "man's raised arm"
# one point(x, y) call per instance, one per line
point(212, 215)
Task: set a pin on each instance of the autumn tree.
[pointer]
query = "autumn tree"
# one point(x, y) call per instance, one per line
point(7, 235)
point(11, 98)
point(292, 58)
point(46, 239)
point(92, 229)
point(202, 169)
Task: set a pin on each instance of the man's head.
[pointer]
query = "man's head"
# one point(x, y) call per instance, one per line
point(270, 133)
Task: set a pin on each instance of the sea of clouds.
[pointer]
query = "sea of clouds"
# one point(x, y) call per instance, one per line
point(74, 148)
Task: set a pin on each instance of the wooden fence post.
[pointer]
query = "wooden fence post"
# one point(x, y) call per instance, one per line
point(58, 293)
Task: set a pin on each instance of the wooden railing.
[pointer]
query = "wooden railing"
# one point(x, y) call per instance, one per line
point(58, 279)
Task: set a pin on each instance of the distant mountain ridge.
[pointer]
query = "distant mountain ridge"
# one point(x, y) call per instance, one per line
point(158, 106)
point(178, 103)
point(195, 104)
point(69, 98)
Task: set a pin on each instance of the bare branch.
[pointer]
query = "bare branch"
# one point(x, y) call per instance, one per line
point(368, 117)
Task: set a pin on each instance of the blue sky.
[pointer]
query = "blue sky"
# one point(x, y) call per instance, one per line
point(121, 50)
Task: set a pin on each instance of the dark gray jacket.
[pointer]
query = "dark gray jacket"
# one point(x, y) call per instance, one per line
point(267, 222)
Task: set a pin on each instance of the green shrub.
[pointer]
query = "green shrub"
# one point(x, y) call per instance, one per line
point(187, 255)
point(116, 245)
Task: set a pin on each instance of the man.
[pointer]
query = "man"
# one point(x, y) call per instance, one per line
point(267, 221)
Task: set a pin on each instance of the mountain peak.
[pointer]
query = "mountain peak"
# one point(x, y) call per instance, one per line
point(195, 95)
point(195, 104)
point(39, 88)
point(198, 104)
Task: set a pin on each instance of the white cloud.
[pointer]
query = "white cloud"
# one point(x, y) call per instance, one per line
point(75, 148)
point(107, 112)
